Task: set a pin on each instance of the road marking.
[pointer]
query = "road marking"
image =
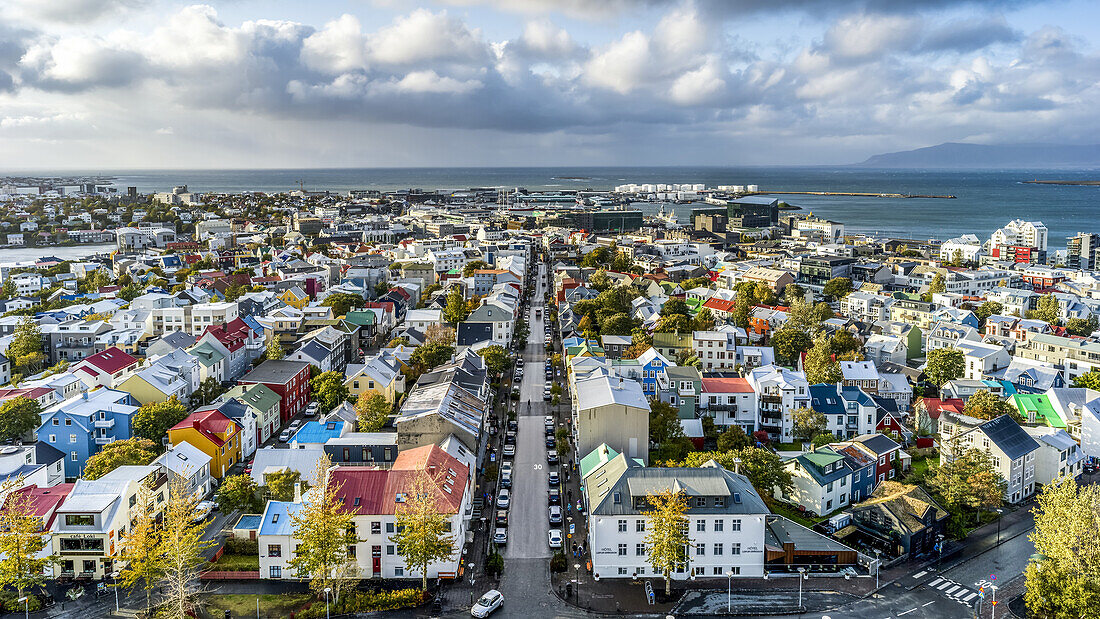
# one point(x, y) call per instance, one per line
point(920, 573)
point(907, 612)
point(970, 597)
point(935, 582)
point(952, 590)
point(927, 603)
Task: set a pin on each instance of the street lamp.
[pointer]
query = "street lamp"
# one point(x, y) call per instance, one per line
point(801, 576)
point(878, 565)
point(1000, 512)
point(577, 568)
point(114, 577)
point(328, 590)
point(26, 599)
point(729, 592)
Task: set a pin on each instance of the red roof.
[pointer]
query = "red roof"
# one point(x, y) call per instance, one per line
point(31, 393)
point(726, 385)
point(232, 335)
point(369, 491)
point(209, 423)
point(935, 406)
point(111, 360)
point(45, 501)
point(722, 305)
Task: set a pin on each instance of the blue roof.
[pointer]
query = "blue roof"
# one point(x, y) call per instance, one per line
point(277, 518)
point(248, 522)
point(252, 324)
point(318, 432)
point(827, 399)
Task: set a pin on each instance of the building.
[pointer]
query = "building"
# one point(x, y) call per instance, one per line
point(904, 517)
point(1058, 455)
point(820, 481)
point(779, 391)
point(80, 426)
point(263, 404)
point(105, 369)
point(850, 411)
point(1012, 450)
point(212, 433)
point(612, 411)
point(729, 401)
point(288, 379)
point(726, 519)
point(189, 466)
point(1081, 251)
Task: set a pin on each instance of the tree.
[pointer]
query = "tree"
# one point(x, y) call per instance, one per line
point(1065, 582)
point(25, 350)
point(235, 292)
point(455, 310)
point(806, 317)
point(704, 320)
point(280, 484)
point(837, 287)
point(208, 391)
point(987, 309)
point(1088, 380)
point(808, 423)
point(472, 266)
point(139, 550)
point(328, 390)
point(440, 334)
point(9, 289)
point(22, 538)
point(944, 364)
point(820, 366)
point(843, 342)
point(238, 492)
point(371, 411)
point(968, 481)
point(381, 288)
point(617, 324)
point(742, 311)
point(733, 438)
point(675, 307)
point(323, 528)
point(153, 420)
point(765, 470)
point(725, 458)
point(938, 285)
point(427, 356)
point(985, 405)
point(496, 359)
point(600, 280)
point(792, 292)
point(674, 323)
point(789, 343)
point(422, 533)
point(1083, 327)
point(1046, 309)
point(182, 545)
point(19, 416)
point(274, 349)
point(666, 533)
point(132, 451)
point(665, 432)
point(343, 302)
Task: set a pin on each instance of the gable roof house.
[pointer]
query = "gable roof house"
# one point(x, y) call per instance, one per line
point(105, 369)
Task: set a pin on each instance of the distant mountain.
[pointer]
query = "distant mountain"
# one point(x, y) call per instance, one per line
point(956, 155)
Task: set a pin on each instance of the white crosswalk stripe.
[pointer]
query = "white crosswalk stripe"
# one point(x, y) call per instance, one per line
point(953, 590)
point(920, 573)
point(935, 582)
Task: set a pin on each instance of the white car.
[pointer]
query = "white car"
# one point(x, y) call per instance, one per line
point(553, 537)
point(284, 436)
point(502, 499)
point(505, 468)
point(202, 510)
point(491, 601)
point(500, 536)
point(509, 451)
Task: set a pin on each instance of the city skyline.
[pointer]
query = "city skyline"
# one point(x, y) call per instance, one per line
point(159, 84)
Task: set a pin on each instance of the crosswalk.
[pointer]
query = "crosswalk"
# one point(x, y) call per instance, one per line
point(961, 594)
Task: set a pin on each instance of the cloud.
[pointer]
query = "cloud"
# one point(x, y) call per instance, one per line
point(426, 37)
point(74, 11)
point(79, 63)
point(337, 48)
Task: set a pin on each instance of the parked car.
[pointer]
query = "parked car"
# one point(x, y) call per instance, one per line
point(551, 442)
point(505, 468)
point(553, 537)
point(551, 457)
point(502, 517)
point(513, 425)
point(555, 514)
point(500, 536)
point(510, 437)
point(311, 410)
point(554, 497)
point(502, 498)
point(548, 421)
point(284, 436)
point(510, 451)
point(506, 480)
point(203, 510)
point(490, 602)
point(555, 478)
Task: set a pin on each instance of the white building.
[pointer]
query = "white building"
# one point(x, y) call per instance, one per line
point(779, 392)
point(1012, 449)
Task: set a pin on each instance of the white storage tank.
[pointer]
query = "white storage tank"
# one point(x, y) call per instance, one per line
point(738, 189)
point(753, 188)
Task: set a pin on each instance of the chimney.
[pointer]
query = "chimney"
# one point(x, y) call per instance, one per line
point(297, 492)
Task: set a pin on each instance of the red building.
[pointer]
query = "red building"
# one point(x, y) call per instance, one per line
point(289, 379)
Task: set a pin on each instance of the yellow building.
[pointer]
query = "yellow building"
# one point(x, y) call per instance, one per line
point(295, 297)
point(212, 433)
point(380, 374)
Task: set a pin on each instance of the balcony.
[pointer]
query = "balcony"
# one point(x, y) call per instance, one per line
point(771, 399)
point(104, 424)
point(104, 440)
point(731, 408)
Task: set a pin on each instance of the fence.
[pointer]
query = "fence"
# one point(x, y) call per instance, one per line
point(216, 575)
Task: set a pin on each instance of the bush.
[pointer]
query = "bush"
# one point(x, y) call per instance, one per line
point(494, 564)
point(10, 603)
point(558, 562)
point(358, 602)
point(234, 546)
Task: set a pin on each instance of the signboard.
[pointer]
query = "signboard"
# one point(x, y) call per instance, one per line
point(572, 528)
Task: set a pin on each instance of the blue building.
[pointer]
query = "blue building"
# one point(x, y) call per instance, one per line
point(652, 364)
point(80, 426)
point(850, 411)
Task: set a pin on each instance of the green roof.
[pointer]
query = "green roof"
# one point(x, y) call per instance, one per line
point(671, 340)
point(207, 354)
point(1039, 405)
point(822, 458)
point(596, 458)
point(362, 318)
point(257, 396)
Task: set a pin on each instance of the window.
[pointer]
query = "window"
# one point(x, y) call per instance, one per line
point(718, 524)
point(701, 501)
point(53, 438)
point(56, 421)
point(639, 527)
point(72, 438)
point(375, 528)
point(351, 552)
point(398, 571)
point(719, 501)
point(276, 571)
point(736, 571)
point(701, 525)
point(622, 526)
point(622, 550)
point(622, 571)
point(718, 550)
point(274, 550)
point(391, 549)
point(639, 550)
point(735, 549)
point(700, 549)
point(389, 527)
point(74, 456)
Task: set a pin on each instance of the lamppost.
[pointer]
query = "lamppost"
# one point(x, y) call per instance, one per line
point(801, 576)
point(577, 568)
point(328, 590)
point(114, 577)
point(1000, 512)
point(878, 565)
point(26, 599)
point(729, 593)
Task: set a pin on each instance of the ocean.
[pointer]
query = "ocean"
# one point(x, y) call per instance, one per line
point(985, 199)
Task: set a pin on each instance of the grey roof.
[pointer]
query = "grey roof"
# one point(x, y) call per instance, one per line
point(604, 391)
point(271, 459)
point(779, 531)
point(470, 333)
point(1009, 436)
point(878, 443)
point(709, 480)
point(275, 371)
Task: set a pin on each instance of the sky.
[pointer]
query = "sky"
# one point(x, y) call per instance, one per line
point(119, 84)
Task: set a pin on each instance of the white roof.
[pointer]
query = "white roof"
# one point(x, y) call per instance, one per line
point(605, 391)
point(183, 459)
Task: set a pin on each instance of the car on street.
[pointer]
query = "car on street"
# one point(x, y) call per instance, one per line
point(549, 431)
point(548, 421)
point(506, 480)
point(294, 425)
point(553, 497)
point(506, 468)
point(203, 510)
point(509, 451)
point(555, 514)
point(248, 467)
point(502, 517)
point(500, 536)
point(491, 601)
point(551, 457)
point(551, 442)
point(510, 437)
point(553, 537)
point(311, 410)
point(502, 498)
point(284, 436)
point(555, 478)
point(1090, 467)
point(513, 425)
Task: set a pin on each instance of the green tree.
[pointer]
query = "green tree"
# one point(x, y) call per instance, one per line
point(496, 359)
point(674, 323)
point(142, 562)
point(235, 292)
point(808, 423)
point(820, 366)
point(789, 343)
point(9, 289)
point(765, 470)
point(472, 266)
point(726, 459)
point(665, 432)
point(837, 288)
point(944, 364)
point(733, 438)
point(938, 284)
point(238, 493)
point(280, 484)
point(1065, 582)
point(427, 357)
point(182, 544)
point(22, 539)
point(455, 310)
point(968, 482)
point(323, 528)
point(985, 405)
point(987, 309)
point(600, 280)
point(328, 390)
point(343, 302)
point(25, 350)
point(666, 533)
point(153, 420)
point(208, 391)
point(617, 324)
point(1046, 309)
point(792, 292)
point(1082, 327)
point(19, 416)
point(274, 350)
point(1088, 380)
point(132, 451)
point(844, 343)
point(371, 410)
point(423, 532)
point(704, 320)
point(742, 311)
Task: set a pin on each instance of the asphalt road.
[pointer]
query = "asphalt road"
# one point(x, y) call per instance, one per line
point(527, 517)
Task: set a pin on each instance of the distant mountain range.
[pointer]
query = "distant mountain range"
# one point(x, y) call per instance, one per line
point(957, 155)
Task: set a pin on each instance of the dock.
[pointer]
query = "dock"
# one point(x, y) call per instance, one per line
point(858, 194)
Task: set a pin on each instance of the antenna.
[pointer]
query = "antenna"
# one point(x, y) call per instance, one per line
point(301, 185)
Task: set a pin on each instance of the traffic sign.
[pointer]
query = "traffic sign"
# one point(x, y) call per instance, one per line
point(572, 528)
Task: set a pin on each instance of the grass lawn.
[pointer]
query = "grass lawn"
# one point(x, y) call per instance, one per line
point(271, 605)
point(792, 446)
point(237, 563)
point(806, 520)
